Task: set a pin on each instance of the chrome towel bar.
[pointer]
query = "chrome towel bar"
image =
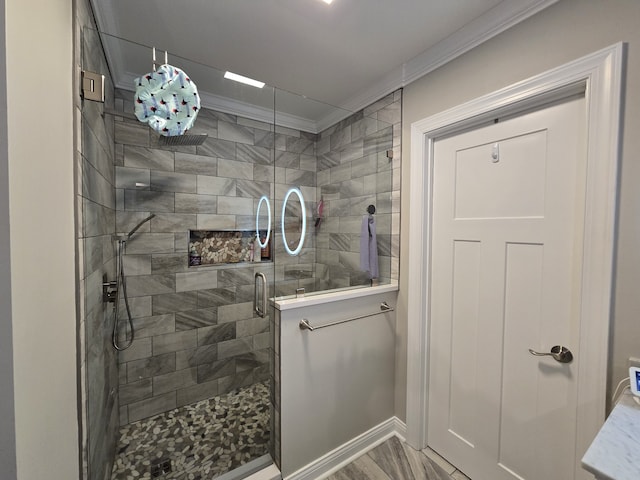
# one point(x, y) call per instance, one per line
point(305, 325)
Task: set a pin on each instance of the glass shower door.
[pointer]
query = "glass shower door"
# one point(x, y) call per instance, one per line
point(192, 394)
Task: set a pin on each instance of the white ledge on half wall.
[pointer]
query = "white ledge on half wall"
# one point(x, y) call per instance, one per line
point(290, 302)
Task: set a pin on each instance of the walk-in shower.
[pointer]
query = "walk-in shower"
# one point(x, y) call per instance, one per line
point(276, 185)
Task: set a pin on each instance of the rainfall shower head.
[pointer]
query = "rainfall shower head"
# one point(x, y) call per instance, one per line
point(182, 140)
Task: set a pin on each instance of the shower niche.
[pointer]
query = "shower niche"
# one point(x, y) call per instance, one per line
point(222, 247)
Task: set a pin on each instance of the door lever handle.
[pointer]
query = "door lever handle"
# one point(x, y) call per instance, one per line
point(558, 352)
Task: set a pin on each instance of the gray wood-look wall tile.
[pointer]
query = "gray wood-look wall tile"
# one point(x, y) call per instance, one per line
point(216, 334)
point(198, 280)
point(234, 169)
point(173, 182)
point(151, 243)
point(196, 164)
point(152, 406)
point(300, 145)
point(196, 356)
point(300, 177)
point(238, 380)
point(215, 370)
point(135, 391)
point(253, 189)
point(145, 200)
point(204, 317)
point(153, 159)
point(98, 219)
point(208, 185)
point(151, 326)
point(173, 342)
point(139, 307)
point(287, 160)
point(263, 173)
point(260, 127)
point(252, 326)
point(235, 206)
point(96, 187)
point(143, 285)
point(126, 221)
point(216, 222)
point(352, 151)
point(96, 148)
point(195, 393)
point(212, 147)
point(262, 341)
point(263, 138)
point(390, 114)
point(237, 346)
point(173, 222)
point(149, 367)
point(235, 133)
point(137, 264)
point(235, 276)
point(139, 349)
point(130, 133)
point(216, 297)
point(233, 313)
point(254, 155)
point(175, 302)
point(196, 203)
point(174, 380)
point(132, 178)
point(379, 141)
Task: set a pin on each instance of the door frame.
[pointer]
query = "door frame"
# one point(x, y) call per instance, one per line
point(599, 76)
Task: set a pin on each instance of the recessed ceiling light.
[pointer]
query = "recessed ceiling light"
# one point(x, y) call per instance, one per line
point(328, 2)
point(245, 80)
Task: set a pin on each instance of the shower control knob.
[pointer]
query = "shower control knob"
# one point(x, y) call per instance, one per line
point(109, 291)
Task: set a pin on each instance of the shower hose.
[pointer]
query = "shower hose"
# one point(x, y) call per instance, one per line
point(122, 284)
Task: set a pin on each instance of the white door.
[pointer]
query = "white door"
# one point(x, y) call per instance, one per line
point(508, 214)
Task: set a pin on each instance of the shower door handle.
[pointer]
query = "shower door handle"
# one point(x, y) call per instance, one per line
point(260, 304)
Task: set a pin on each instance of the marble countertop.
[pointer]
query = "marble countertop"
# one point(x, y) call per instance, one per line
point(615, 452)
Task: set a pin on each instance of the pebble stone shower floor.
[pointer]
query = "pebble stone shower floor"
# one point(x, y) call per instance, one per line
point(198, 441)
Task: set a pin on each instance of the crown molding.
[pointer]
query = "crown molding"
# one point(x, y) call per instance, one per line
point(500, 18)
point(495, 21)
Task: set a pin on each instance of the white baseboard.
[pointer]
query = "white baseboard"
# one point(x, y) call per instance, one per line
point(346, 453)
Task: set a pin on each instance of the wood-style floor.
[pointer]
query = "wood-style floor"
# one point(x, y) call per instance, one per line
point(394, 460)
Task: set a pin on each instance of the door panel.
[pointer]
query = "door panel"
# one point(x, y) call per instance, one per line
point(464, 330)
point(506, 254)
point(517, 185)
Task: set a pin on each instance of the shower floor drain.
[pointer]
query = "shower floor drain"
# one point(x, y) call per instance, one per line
point(160, 468)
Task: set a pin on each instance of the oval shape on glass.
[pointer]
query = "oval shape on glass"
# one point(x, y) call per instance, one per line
point(266, 240)
point(303, 215)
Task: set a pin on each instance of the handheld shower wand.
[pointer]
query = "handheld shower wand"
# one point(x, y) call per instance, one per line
point(121, 282)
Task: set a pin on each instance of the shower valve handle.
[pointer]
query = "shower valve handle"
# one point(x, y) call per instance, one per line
point(109, 291)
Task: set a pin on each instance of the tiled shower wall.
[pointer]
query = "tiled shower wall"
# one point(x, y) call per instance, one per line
point(355, 171)
point(196, 333)
point(348, 167)
point(95, 226)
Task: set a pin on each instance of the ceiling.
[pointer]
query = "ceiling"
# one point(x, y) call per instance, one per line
point(347, 54)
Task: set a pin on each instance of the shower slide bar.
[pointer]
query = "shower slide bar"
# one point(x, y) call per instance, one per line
point(305, 325)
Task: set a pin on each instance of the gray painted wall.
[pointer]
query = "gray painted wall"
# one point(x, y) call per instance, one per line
point(43, 286)
point(564, 32)
point(7, 419)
